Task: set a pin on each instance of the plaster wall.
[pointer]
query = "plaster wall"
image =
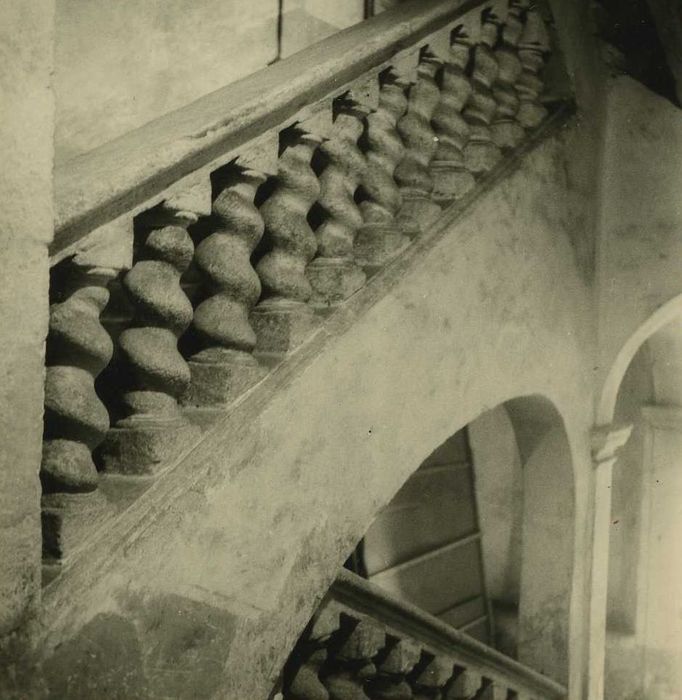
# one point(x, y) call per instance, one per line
point(122, 64)
point(641, 223)
point(499, 496)
point(543, 603)
point(250, 529)
point(25, 229)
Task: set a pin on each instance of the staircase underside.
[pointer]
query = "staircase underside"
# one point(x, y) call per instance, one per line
point(209, 576)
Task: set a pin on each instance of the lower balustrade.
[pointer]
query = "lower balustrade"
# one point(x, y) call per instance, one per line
point(174, 310)
point(362, 644)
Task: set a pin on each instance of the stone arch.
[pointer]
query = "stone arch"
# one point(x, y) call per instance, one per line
point(644, 640)
point(540, 563)
point(528, 539)
point(609, 394)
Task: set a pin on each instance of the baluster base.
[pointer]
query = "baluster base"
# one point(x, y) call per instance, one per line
point(417, 213)
point(531, 114)
point(451, 180)
point(220, 376)
point(377, 244)
point(145, 445)
point(334, 280)
point(67, 518)
point(481, 154)
point(507, 133)
point(281, 325)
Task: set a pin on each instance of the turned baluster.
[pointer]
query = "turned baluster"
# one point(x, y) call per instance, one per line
point(333, 274)
point(393, 665)
point(302, 673)
point(412, 173)
point(533, 46)
point(380, 239)
point(75, 421)
point(481, 153)
point(350, 665)
point(283, 319)
point(225, 367)
point(430, 677)
point(452, 179)
point(464, 685)
point(506, 130)
point(153, 431)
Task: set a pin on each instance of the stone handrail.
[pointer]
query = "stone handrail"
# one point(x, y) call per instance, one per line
point(131, 171)
point(363, 643)
point(199, 250)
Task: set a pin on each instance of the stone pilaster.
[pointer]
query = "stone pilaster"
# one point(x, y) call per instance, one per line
point(27, 224)
point(606, 442)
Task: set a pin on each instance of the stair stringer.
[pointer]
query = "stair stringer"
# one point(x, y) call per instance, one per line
point(210, 575)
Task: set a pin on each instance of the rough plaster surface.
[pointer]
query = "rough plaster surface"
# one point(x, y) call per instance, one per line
point(641, 221)
point(175, 51)
point(499, 495)
point(264, 511)
point(25, 230)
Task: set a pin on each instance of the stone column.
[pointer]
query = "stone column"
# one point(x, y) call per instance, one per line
point(658, 624)
point(606, 441)
point(26, 222)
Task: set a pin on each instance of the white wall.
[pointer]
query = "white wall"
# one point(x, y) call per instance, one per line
point(499, 495)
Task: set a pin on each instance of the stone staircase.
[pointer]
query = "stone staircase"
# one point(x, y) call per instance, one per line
point(201, 262)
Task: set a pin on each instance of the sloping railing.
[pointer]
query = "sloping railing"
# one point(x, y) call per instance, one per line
point(363, 644)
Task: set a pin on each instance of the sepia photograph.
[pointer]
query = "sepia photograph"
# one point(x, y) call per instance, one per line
point(341, 350)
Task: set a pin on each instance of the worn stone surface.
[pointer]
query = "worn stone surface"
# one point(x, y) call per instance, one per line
point(159, 646)
point(26, 225)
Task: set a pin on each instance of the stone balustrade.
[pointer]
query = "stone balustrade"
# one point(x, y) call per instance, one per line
point(362, 644)
point(272, 201)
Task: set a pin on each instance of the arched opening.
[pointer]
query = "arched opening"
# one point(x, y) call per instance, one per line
point(481, 534)
point(644, 610)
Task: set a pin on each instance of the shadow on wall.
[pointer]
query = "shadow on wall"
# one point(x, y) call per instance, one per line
point(481, 535)
point(525, 496)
